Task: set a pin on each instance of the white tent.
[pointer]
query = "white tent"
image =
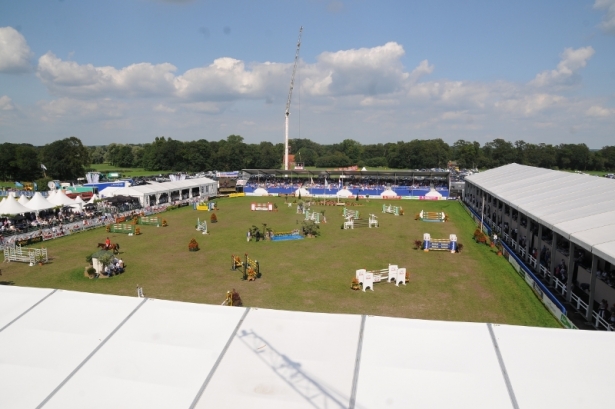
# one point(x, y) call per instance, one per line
point(303, 191)
point(388, 193)
point(93, 198)
point(109, 191)
point(102, 351)
point(344, 193)
point(51, 194)
point(260, 192)
point(60, 199)
point(12, 206)
point(23, 200)
point(433, 193)
point(38, 203)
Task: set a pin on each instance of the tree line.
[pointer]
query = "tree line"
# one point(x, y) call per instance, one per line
point(68, 159)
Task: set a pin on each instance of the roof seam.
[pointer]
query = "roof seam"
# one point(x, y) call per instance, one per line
point(28, 310)
point(87, 358)
point(217, 363)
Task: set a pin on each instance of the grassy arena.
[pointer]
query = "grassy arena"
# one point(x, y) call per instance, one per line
point(307, 275)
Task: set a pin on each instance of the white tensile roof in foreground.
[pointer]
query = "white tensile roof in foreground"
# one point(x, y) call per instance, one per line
point(63, 349)
point(579, 207)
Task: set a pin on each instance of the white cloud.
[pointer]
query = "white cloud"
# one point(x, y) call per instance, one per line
point(566, 72)
point(79, 110)
point(597, 111)
point(164, 108)
point(15, 53)
point(529, 105)
point(608, 22)
point(6, 104)
point(136, 80)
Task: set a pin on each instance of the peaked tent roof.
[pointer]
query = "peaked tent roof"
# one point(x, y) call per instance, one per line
point(38, 202)
point(60, 199)
point(581, 208)
point(23, 199)
point(12, 206)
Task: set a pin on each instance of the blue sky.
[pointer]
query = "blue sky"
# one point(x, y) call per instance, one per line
point(126, 71)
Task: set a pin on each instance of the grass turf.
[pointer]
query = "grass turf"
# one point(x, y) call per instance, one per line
point(308, 275)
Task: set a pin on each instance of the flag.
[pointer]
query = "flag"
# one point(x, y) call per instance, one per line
point(311, 181)
point(43, 167)
point(326, 184)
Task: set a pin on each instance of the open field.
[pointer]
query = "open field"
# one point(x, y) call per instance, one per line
point(308, 275)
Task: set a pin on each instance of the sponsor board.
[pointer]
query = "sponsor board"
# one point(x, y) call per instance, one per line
point(515, 265)
point(27, 242)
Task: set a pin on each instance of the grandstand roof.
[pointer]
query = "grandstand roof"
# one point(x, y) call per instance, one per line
point(579, 207)
point(64, 349)
point(329, 173)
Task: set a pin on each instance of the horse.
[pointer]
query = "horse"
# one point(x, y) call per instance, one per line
point(115, 247)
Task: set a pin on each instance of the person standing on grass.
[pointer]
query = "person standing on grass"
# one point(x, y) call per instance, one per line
point(248, 235)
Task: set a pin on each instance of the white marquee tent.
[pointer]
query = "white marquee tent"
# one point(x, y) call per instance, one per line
point(194, 187)
point(12, 206)
point(63, 349)
point(578, 207)
point(60, 199)
point(38, 203)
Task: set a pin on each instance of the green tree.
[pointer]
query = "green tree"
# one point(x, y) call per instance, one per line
point(65, 159)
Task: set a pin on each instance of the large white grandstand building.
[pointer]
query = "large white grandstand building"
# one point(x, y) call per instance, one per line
point(554, 222)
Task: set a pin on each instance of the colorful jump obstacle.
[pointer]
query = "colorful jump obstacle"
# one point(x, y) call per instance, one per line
point(350, 213)
point(124, 228)
point(201, 226)
point(207, 206)
point(432, 216)
point(396, 210)
point(250, 268)
point(266, 207)
point(25, 255)
point(449, 244)
point(149, 220)
point(352, 223)
point(391, 274)
point(314, 216)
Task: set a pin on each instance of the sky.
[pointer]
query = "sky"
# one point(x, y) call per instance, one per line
point(126, 71)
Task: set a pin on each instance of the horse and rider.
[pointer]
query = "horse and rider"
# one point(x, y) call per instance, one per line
point(107, 245)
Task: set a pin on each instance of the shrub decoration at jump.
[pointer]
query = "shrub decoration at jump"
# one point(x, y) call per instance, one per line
point(213, 218)
point(479, 236)
point(164, 223)
point(193, 245)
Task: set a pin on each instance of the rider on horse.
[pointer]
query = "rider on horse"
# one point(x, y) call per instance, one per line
point(107, 244)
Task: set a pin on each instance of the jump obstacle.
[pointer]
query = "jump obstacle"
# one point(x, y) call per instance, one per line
point(389, 275)
point(124, 228)
point(201, 226)
point(208, 206)
point(267, 207)
point(440, 244)
point(396, 210)
point(353, 213)
point(432, 216)
point(149, 220)
point(31, 256)
point(249, 268)
point(352, 223)
point(314, 216)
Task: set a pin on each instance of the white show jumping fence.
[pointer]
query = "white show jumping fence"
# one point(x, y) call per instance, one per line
point(390, 274)
point(351, 222)
point(396, 210)
point(31, 256)
point(314, 216)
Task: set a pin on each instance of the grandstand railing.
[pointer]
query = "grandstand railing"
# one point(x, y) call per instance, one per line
point(578, 304)
point(522, 265)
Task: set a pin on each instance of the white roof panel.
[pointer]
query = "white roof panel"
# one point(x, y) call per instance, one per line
point(283, 359)
point(15, 301)
point(429, 364)
point(564, 202)
point(40, 349)
point(542, 362)
point(163, 355)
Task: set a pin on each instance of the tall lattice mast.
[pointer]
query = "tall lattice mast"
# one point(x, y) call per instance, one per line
point(290, 94)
